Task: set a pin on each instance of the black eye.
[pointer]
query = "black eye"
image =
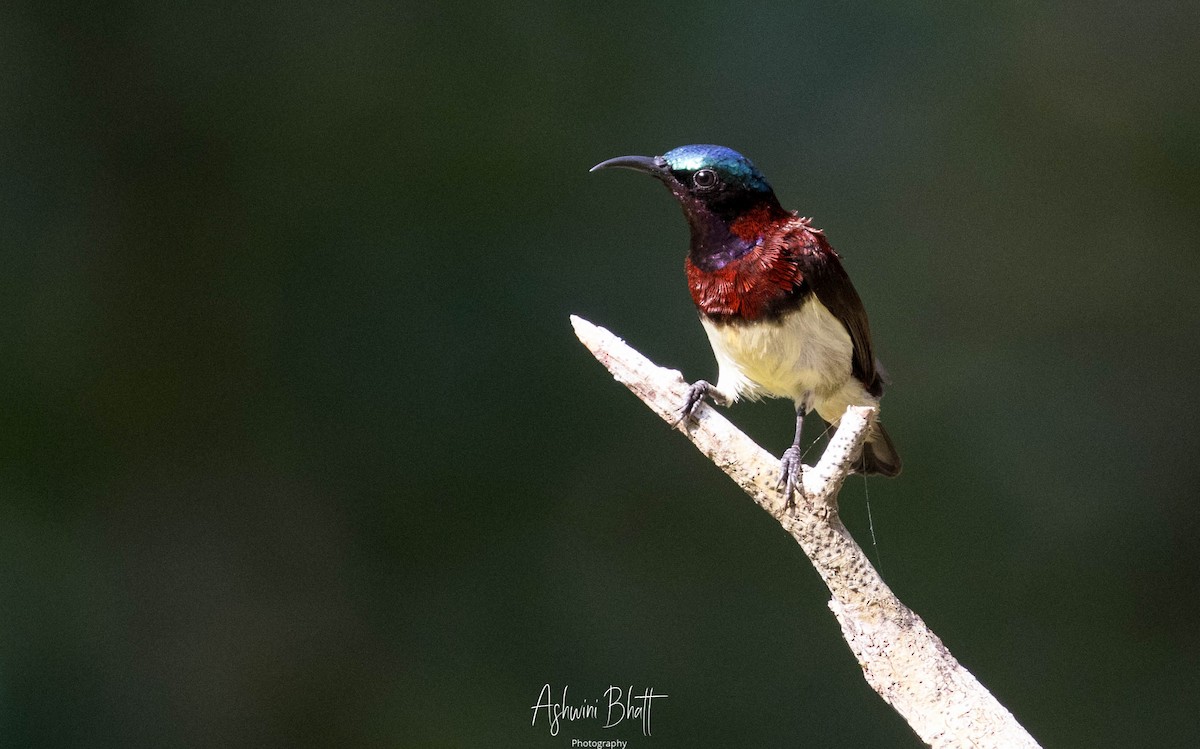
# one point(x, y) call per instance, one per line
point(705, 179)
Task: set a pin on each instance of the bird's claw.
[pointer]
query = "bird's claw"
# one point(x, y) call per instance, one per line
point(791, 476)
point(697, 392)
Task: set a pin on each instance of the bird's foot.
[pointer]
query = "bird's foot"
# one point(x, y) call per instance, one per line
point(697, 392)
point(791, 476)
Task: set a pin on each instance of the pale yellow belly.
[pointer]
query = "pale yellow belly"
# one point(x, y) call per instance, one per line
point(807, 351)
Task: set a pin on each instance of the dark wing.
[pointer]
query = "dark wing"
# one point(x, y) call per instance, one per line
point(827, 279)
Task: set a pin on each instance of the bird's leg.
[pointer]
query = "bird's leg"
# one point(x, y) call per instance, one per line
point(791, 474)
point(699, 390)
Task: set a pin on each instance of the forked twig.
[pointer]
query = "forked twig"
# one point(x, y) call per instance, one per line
point(901, 658)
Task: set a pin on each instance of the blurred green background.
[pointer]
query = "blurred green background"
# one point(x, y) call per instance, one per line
point(298, 448)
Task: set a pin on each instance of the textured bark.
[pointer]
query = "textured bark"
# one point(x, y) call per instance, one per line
point(901, 658)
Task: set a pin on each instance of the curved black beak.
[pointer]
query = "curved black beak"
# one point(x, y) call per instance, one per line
point(652, 165)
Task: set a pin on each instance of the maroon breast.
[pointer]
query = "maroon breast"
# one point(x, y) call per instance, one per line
point(761, 284)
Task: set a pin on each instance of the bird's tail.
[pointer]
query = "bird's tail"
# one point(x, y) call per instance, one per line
point(879, 456)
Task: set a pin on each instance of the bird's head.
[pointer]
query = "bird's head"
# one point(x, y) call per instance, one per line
point(717, 187)
point(704, 178)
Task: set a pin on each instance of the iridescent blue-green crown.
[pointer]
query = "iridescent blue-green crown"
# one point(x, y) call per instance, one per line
point(731, 165)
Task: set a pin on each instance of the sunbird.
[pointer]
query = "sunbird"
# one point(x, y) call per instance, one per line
point(779, 309)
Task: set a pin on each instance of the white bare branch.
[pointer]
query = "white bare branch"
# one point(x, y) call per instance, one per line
point(901, 658)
